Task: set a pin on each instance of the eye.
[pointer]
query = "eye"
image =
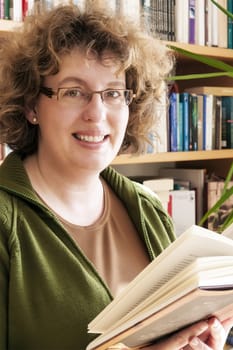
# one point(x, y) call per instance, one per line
point(114, 94)
point(72, 92)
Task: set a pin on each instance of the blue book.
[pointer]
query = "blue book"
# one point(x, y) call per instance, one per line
point(184, 99)
point(173, 110)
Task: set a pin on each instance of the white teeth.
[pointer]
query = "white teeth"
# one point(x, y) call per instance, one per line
point(91, 138)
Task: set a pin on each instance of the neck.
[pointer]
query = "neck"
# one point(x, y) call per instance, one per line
point(78, 199)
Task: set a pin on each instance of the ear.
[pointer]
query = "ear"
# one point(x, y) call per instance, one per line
point(31, 116)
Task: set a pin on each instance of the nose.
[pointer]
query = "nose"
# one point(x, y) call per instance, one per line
point(95, 110)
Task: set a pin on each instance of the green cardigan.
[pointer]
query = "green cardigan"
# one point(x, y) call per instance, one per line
point(49, 291)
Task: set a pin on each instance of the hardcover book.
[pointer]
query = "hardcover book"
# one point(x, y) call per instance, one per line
point(191, 278)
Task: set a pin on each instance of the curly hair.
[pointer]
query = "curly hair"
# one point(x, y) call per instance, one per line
point(34, 52)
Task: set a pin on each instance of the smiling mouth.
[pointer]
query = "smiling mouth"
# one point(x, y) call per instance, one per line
point(91, 139)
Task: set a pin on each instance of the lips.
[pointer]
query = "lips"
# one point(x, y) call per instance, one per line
point(90, 138)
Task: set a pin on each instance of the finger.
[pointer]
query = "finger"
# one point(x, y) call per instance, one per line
point(180, 339)
point(214, 339)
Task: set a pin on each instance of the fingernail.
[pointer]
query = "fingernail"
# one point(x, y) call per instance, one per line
point(215, 324)
point(194, 341)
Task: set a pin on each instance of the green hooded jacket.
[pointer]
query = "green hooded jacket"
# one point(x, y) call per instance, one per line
point(49, 291)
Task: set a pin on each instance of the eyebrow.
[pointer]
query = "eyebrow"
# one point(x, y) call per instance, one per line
point(75, 80)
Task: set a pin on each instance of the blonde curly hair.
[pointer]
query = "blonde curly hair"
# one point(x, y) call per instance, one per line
point(34, 51)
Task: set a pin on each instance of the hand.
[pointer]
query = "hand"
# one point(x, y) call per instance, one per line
point(204, 335)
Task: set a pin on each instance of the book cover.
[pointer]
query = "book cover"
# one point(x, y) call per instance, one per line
point(192, 277)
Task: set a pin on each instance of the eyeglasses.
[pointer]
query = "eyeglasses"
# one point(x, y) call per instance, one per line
point(81, 98)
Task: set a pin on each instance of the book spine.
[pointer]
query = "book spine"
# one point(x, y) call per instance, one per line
point(222, 23)
point(173, 121)
point(185, 101)
point(227, 122)
point(229, 125)
point(180, 131)
point(218, 122)
point(199, 23)
point(204, 120)
point(193, 145)
point(181, 20)
point(224, 123)
point(229, 25)
point(214, 25)
point(192, 20)
point(24, 8)
point(6, 9)
point(18, 10)
point(200, 122)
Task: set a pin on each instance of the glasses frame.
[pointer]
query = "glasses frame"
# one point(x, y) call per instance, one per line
point(49, 92)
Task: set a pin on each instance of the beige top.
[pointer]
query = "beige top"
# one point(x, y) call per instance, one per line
point(111, 243)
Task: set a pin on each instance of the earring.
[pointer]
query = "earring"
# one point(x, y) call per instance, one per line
point(34, 120)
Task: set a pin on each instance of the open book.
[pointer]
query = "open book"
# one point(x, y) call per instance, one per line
point(190, 280)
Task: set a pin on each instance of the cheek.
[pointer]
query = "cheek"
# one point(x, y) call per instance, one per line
point(122, 120)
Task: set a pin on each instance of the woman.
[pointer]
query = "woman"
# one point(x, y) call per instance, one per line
point(76, 88)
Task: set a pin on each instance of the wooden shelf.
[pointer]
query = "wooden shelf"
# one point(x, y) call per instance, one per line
point(215, 52)
point(8, 25)
point(173, 157)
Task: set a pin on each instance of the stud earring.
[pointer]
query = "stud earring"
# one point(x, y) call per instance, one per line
point(34, 120)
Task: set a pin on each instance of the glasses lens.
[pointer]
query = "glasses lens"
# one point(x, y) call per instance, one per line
point(117, 97)
point(73, 95)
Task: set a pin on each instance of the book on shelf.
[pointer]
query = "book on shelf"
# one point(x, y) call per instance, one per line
point(182, 21)
point(227, 122)
point(200, 23)
point(192, 277)
point(182, 209)
point(229, 25)
point(173, 120)
point(197, 181)
point(184, 101)
point(192, 21)
point(222, 25)
point(193, 123)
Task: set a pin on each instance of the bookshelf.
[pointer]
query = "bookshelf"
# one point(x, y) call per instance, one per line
point(216, 160)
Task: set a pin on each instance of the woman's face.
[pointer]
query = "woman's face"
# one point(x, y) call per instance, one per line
point(81, 136)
